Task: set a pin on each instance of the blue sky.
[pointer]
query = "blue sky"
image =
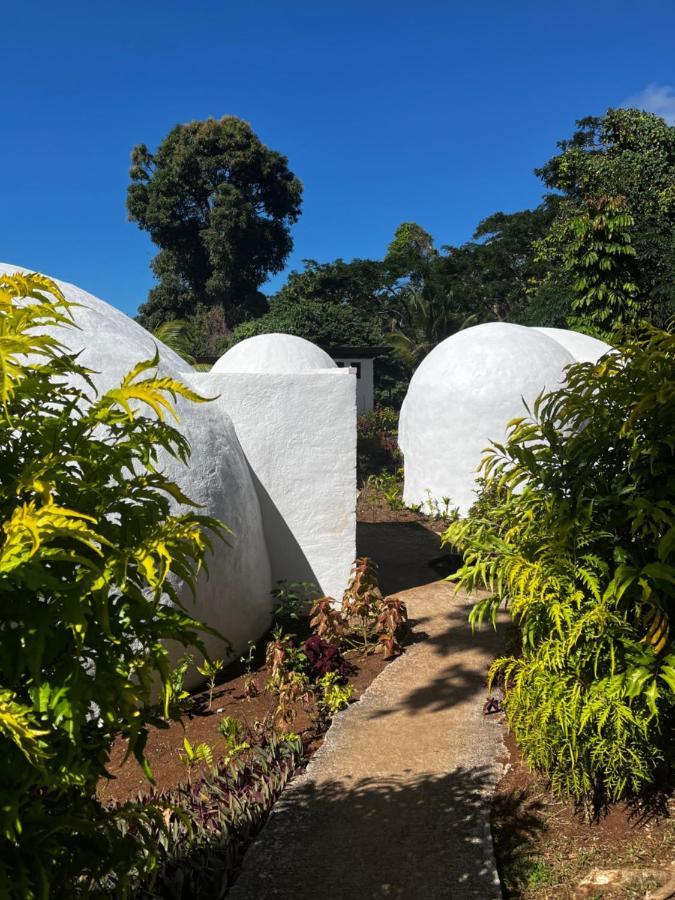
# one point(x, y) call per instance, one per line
point(435, 112)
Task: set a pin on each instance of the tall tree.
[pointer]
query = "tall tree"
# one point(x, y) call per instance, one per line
point(219, 204)
point(617, 178)
point(494, 276)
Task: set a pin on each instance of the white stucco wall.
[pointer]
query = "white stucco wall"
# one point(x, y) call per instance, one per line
point(235, 597)
point(298, 432)
point(581, 346)
point(461, 397)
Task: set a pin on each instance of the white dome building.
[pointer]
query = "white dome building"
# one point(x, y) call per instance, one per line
point(461, 397)
point(275, 354)
point(235, 597)
point(582, 347)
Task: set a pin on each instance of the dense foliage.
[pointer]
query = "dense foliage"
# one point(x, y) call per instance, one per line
point(627, 156)
point(219, 204)
point(596, 253)
point(90, 558)
point(574, 534)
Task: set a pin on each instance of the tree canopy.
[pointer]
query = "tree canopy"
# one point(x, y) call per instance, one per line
point(596, 253)
point(616, 175)
point(219, 205)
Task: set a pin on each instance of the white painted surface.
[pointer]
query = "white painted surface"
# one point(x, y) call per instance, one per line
point(235, 597)
point(365, 381)
point(298, 432)
point(461, 397)
point(110, 342)
point(581, 346)
point(274, 353)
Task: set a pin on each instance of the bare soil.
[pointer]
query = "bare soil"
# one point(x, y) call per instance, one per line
point(200, 724)
point(373, 507)
point(546, 848)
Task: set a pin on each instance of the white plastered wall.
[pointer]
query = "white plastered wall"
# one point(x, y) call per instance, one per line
point(298, 433)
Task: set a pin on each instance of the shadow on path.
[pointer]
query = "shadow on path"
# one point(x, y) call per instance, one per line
point(404, 552)
point(431, 840)
point(460, 680)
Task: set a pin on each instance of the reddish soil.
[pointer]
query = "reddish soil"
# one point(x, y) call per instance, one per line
point(546, 847)
point(200, 724)
point(372, 507)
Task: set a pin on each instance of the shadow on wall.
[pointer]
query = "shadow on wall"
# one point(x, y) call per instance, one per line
point(285, 553)
point(396, 837)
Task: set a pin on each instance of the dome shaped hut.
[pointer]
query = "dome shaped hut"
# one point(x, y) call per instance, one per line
point(235, 597)
point(461, 397)
point(274, 353)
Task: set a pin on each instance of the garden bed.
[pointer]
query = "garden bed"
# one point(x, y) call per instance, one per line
point(200, 724)
point(546, 849)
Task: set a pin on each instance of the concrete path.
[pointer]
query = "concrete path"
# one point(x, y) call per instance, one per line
point(395, 804)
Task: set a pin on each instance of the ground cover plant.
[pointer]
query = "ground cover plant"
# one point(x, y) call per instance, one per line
point(241, 738)
point(575, 535)
point(210, 821)
point(89, 545)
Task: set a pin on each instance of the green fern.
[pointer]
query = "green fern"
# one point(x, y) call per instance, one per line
point(573, 535)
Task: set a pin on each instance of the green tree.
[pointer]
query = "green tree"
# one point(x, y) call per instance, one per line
point(495, 276)
point(336, 303)
point(626, 157)
point(428, 316)
point(219, 204)
point(411, 254)
point(601, 261)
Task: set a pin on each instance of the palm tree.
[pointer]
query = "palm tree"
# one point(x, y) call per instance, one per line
point(174, 334)
point(427, 317)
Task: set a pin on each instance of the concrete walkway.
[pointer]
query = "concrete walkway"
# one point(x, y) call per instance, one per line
point(395, 804)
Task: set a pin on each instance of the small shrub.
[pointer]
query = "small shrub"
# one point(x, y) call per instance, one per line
point(389, 486)
point(233, 732)
point(292, 602)
point(283, 657)
point(362, 597)
point(194, 757)
point(326, 621)
point(333, 694)
point(391, 622)
point(210, 669)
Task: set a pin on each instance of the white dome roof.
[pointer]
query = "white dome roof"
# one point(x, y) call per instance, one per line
point(582, 347)
point(274, 353)
point(461, 397)
point(109, 342)
point(235, 597)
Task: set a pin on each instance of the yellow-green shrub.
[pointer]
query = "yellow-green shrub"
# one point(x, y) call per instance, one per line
point(87, 545)
point(575, 535)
